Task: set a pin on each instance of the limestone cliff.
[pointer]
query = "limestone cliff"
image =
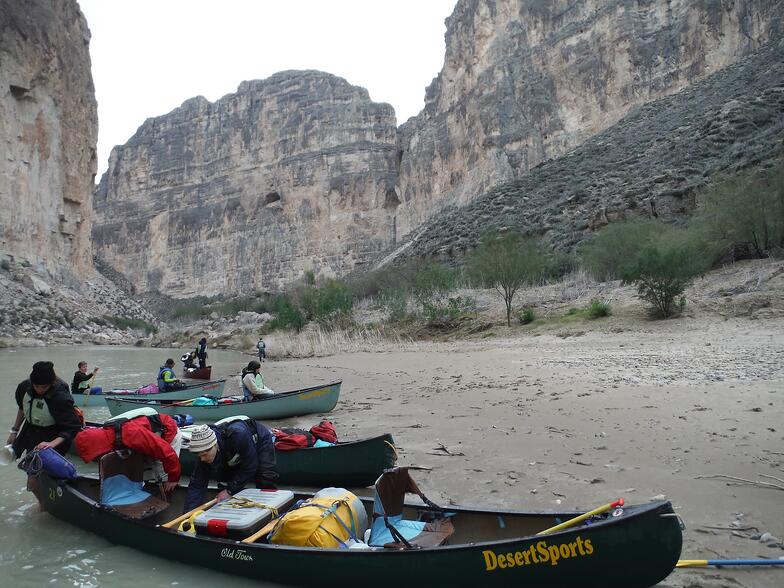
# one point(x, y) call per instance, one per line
point(48, 133)
point(525, 81)
point(296, 172)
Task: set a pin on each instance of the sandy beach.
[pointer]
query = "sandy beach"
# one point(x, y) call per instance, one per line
point(577, 419)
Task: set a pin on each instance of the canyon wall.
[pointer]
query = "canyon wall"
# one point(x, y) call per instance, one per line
point(293, 173)
point(48, 134)
point(303, 172)
point(526, 81)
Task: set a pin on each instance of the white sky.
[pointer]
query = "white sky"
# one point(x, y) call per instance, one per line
point(149, 56)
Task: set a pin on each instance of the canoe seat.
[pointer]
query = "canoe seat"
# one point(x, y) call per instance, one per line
point(122, 486)
point(389, 529)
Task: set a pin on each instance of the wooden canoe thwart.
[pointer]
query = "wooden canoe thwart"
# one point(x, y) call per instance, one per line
point(633, 547)
point(316, 399)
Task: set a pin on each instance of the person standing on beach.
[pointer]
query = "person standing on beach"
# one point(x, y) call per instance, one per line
point(262, 347)
point(82, 380)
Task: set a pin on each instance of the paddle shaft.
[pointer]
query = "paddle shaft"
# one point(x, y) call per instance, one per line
point(88, 390)
point(181, 518)
point(582, 517)
point(701, 563)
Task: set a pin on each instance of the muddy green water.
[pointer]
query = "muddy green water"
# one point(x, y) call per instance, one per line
point(39, 550)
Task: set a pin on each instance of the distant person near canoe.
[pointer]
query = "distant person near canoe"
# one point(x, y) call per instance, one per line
point(201, 352)
point(234, 454)
point(82, 381)
point(155, 436)
point(253, 382)
point(189, 361)
point(46, 416)
point(262, 347)
point(167, 379)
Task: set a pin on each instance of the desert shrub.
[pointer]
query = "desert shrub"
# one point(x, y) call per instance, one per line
point(526, 315)
point(395, 301)
point(431, 285)
point(505, 263)
point(125, 323)
point(744, 215)
point(287, 314)
point(597, 309)
point(663, 268)
point(612, 247)
point(189, 309)
point(333, 300)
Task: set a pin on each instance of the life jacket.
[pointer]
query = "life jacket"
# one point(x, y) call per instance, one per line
point(36, 411)
point(161, 382)
point(245, 390)
point(223, 426)
point(288, 439)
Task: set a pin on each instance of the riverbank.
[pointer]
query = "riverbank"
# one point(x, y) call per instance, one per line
point(550, 421)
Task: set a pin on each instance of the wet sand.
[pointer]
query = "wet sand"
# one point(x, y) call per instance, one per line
point(575, 420)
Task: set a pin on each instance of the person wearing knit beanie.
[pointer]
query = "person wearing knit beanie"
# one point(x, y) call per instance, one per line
point(234, 453)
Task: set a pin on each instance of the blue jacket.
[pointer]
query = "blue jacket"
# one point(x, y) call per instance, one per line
point(161, 383)
point(246, 454)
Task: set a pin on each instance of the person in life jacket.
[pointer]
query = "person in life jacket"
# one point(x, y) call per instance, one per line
point(189, 361)
point(201, 352)
point(153, 435)
point(252, 381)
point(262, 347)
point(46, 415)
point(82, 380)
point(234, 453)
point(167, 380)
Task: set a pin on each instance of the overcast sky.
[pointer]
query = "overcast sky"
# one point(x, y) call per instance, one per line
point(149, 56)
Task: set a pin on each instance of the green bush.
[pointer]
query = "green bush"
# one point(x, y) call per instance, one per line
point(597, 309)
point(664, 267)
point(333, 300)
point(526, 315)
point(396, 304)
point(125, 323)
point(614, 245)
point(287, 314)
point(744, 215)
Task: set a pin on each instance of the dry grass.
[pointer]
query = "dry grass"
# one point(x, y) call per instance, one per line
point(318, 342)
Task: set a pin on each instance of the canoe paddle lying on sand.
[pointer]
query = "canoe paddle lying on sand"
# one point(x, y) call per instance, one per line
point(702, 563)
point(582, 517)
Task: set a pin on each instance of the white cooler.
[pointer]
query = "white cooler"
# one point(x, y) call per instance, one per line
point(223, 520)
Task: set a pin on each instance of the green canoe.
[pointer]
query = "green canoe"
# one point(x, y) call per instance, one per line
point(635, 548)
point(316, 399)
point(348, 465)
point(213, 388)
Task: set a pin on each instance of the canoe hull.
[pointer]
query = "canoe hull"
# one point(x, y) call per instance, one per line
point(317, 399)
point(204, 373)
point(346, 465)
point(636, 552)
point(213, 388)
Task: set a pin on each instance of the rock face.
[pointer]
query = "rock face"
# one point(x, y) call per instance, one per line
point(303, 172)
point(652, 163)
point(48, 133)
point(296, 172)
point(525, 81)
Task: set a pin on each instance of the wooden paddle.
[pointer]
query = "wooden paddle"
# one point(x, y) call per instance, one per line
point(88, 389)
point(701, 563)
point(263, 531)
point(187, 515)
point(582, 517)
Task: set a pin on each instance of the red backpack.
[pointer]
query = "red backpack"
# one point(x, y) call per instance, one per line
point(325, 431)
point(290, 439)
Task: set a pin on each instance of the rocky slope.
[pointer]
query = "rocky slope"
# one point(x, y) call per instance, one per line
point(48, 133)
point(526, 81)
point(651, 163)
point(293, 173)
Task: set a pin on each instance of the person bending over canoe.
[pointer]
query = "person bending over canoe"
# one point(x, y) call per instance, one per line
point(46, 415)
point(167, 380)
point(252, 381)
point(235, 454)
point(82, 380)
point(155, 436)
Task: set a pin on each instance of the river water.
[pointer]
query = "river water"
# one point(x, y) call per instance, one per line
point(38, 550)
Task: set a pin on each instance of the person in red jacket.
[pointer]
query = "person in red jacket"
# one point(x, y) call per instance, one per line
point(156, 436)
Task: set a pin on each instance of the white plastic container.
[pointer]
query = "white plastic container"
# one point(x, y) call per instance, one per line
point(224, 520)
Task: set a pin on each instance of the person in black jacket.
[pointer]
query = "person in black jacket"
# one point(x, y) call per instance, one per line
point(201, 352)
point(82, 380)
point(234, 454)
point(46, 415)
